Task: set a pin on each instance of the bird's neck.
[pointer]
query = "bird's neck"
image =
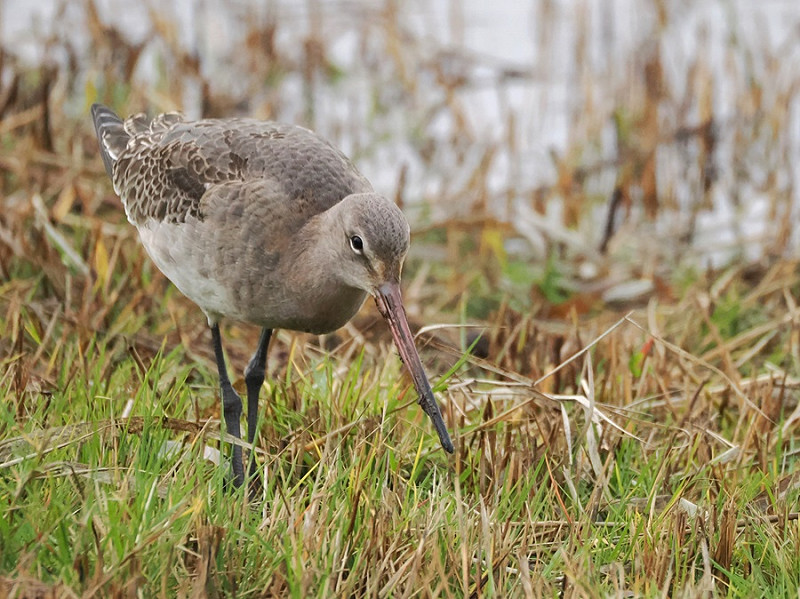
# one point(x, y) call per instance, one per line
point(311, 273)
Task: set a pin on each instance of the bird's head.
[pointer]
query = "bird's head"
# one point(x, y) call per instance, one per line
point(373, 239)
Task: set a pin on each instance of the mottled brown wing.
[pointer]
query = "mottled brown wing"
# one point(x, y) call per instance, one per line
point(170, 166)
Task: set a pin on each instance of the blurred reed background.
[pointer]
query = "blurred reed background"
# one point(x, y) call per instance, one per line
point(663, 130)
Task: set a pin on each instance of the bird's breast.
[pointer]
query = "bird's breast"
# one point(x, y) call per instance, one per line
point(227, 277)
point(320, 310)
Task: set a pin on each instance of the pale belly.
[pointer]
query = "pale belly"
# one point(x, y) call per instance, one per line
point(241, 284)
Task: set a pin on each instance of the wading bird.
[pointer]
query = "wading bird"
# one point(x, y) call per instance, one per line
point(265, 223)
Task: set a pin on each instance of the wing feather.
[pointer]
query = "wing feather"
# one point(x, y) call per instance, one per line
point(168, 167)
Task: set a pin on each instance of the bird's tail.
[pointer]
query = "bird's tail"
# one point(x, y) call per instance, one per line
point(111, 135)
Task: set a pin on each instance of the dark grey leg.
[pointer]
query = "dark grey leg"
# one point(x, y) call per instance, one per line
point(254, 378)
point(231, 407)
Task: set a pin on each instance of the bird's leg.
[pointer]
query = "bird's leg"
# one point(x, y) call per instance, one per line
point(254, 378)
point(231, 407)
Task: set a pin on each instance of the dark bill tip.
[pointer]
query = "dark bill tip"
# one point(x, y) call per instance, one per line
point(390, 305)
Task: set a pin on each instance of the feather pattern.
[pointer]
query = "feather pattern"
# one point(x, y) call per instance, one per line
point(163, 168)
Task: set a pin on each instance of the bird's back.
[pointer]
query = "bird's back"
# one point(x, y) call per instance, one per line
point(162, 168)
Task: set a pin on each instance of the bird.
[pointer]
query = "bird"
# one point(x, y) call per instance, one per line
point(265, 223)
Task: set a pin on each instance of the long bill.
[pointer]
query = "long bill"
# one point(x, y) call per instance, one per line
point(390, 305)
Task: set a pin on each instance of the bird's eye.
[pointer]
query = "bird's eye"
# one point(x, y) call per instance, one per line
point(357, 244)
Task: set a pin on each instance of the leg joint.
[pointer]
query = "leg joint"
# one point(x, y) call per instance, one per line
point(231, 402)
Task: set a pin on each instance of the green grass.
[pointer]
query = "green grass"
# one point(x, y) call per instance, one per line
point(104, 484)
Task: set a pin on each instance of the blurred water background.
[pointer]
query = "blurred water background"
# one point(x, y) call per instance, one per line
point(647, 131)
